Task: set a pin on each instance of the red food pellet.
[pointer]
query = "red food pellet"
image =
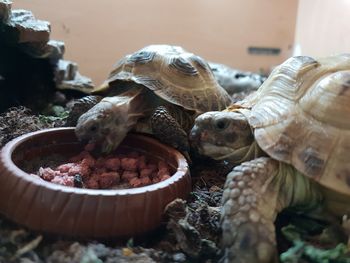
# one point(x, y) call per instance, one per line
point(135, 182)
point(163, 171)
point(98, 171)
point(155, 180)
point(129, 164)
point(92, 183)
point(153, 167)
point(108, 171)
point(142, 162)
point(64, 168)
point(107, 180)
point(88, 161)
point(79, 169)
point(85, 171)
point(154, 174)
point(100, 162)
point(146, 172)
point(63, 180)
point(145, 181)
point(128, 175)
point(112, 164)
point(162, 165)
point(47, 173)
point(164, 177)
point(75, 169)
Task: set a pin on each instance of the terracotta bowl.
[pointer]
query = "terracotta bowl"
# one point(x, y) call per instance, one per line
point(44, 206)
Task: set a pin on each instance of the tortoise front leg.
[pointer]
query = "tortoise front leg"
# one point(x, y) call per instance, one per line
point(80, 106)
point(168, 130)
point(251, 202)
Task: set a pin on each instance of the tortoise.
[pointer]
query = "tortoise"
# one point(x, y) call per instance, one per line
point(237, 83)
point(290, 143)
point(159, 89)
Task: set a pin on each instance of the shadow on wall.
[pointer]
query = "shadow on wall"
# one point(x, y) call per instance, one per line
point(97, 35)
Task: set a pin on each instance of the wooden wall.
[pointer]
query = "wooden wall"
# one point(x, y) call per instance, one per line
point(323, 27)
point(97, 33)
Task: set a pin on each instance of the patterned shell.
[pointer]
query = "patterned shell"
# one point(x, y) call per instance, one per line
point(173, 74)
point(301, 115)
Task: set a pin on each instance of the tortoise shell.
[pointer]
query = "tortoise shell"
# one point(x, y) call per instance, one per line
point(301, 116)
point(172, 73)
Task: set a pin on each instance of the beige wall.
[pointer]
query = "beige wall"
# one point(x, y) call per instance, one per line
point(323, 27)
point(97, 33)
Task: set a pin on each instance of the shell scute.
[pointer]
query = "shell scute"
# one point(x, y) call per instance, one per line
point(200, 63)
point(300, 116)
point(142, 57)
point(173, 74)
point(183, 66)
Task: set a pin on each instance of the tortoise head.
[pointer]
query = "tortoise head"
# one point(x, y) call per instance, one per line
point(108, 122)
point(223, 135)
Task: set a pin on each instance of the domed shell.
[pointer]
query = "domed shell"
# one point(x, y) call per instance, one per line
point(301, 115)
point(174, 74)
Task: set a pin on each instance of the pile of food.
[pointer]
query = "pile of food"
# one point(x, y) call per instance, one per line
point(114, 171)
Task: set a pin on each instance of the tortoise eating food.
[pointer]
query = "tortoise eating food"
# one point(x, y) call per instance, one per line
point(292, 141)
point(159, 89)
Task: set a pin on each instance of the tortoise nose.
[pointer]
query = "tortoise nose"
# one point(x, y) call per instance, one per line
point(194, 135)
point(198, 136)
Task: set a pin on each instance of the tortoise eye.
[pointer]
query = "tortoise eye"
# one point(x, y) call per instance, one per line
point(93, 128)
point(221, 124)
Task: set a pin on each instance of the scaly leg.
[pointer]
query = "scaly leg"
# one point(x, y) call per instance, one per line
point(80, 106)
point(251, 202)
point(168, 130)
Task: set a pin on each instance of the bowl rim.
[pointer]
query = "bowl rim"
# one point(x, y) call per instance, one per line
point(6, 159)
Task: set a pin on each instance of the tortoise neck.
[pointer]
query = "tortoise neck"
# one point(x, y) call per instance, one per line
point(253, 151)
point(244, 154)
point(137, 105)
point(130, 105)
point(297, 190)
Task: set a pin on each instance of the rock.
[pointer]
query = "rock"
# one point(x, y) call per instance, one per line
point(68, 78)
point(66, 70)
point(2, 84)
point(96, 253)
point(79, 83)
point(5, 10)
point(179, 257)
point(32, 65)
point(176, 209)
point(195, 227)
point(236, 81)
point(187, 237)
point(26, 80)
point(22, 27)
point(53, 50)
